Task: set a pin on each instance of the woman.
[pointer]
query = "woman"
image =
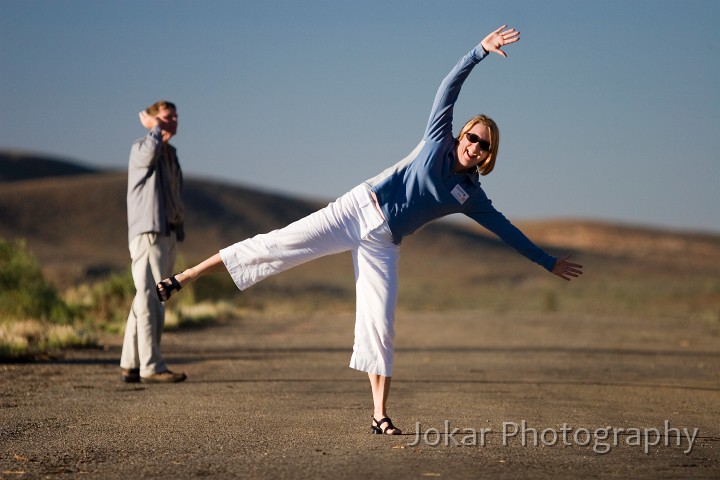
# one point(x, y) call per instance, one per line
point(440, 177)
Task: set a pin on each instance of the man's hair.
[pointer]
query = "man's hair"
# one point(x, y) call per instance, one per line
point(154, 109)
point(489, 163)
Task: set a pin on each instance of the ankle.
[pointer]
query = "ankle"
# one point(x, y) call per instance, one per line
point(184, 277)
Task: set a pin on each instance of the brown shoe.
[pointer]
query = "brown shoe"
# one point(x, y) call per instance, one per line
point(130, 375)
point(164, 377)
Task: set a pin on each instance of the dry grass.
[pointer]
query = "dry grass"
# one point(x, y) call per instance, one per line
point(31, 337)
point(200, 314)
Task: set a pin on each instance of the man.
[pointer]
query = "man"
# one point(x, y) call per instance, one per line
point(155, 225)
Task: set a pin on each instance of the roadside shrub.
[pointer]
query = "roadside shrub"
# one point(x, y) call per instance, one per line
point(104, 304)
point(21, 338)
point(24, 292)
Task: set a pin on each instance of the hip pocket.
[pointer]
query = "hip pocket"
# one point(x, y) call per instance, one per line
point(368, 214)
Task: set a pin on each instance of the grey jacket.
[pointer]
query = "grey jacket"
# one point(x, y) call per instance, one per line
point(147, 184)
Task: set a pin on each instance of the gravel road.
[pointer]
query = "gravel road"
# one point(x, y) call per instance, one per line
point(492, 395)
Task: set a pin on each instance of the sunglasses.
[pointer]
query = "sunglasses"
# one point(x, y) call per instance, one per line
point(472, 138)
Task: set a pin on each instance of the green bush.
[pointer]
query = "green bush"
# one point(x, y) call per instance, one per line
point(24, 292)
point(34, 318)
point(103, 305)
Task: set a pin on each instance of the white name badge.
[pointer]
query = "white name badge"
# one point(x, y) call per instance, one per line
point(459, 194)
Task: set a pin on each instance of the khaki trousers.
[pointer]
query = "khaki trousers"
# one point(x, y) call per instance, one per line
point(153, 258)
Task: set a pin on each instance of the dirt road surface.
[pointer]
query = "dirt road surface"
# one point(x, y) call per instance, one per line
point(492, 395)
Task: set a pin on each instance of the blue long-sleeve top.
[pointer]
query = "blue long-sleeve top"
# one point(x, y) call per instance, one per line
point(423, 187)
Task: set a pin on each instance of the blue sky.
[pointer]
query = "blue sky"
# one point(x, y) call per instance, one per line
point(608, 110)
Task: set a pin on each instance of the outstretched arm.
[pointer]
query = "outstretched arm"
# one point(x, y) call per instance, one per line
point(482, 211)
point(499, 38)
point(440, 122)
point(565, 269)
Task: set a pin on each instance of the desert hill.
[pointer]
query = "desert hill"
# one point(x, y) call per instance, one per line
point(76, 224)
point(17, 166)
point(74, 219)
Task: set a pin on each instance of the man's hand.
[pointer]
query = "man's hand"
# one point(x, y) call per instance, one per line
point(147, 121)
point(499, 38)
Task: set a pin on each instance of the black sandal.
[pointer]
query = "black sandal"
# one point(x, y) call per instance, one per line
point(167, 289)
point(377, 430)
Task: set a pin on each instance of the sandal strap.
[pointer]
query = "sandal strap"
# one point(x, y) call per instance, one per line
point(174, 284)
point(167, 289)
point(384, 420)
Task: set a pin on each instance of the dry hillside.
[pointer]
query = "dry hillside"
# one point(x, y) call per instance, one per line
point(74, 220)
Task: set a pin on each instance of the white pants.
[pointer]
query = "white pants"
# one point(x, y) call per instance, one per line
point(352, 222)
point(153, 257)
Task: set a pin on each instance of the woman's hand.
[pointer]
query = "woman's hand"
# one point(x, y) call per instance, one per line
point(565, 269)
point(499, 38)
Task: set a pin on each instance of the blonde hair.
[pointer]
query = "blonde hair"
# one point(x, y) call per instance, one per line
point(154, 109)
point(489, 163)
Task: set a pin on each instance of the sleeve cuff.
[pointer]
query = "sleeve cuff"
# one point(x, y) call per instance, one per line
point(479, 53)
point(156, 132)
